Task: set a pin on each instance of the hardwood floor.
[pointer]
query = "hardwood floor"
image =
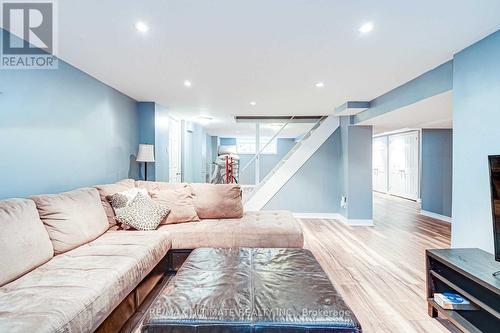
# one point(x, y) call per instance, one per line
point(380, 270)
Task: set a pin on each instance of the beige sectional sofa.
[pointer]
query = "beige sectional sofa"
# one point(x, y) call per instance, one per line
point(254, 229)
point(66, 268)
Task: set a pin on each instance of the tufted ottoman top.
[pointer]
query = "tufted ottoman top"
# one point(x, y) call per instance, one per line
point(250, 290)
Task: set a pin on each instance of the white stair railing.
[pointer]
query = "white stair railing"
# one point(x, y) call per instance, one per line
point(259, 152)
point(285, 158)
point(291, 163)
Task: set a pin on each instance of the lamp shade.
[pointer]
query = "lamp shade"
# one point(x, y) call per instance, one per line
point(146, 153)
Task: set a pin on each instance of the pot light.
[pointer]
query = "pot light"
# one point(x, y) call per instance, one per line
point(252, 103)
point(366, 28)
point(320, 85)
point(141, 27)
point(187, 83)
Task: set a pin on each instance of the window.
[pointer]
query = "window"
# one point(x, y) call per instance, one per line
point(247, 146)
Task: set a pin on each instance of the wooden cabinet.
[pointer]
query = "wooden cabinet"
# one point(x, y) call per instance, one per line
point(468, 272)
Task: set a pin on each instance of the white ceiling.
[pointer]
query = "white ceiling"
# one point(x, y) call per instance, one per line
point(271, 52)
point(433, 112)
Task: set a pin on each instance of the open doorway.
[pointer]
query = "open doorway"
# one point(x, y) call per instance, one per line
point(396, 164)
point(412, 155)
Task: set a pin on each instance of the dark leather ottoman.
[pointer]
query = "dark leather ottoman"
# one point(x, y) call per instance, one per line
point(250, 290)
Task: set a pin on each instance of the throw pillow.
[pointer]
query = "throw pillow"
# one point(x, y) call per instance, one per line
point(72, 218)
point(142, 213)
point(217, 201)
point(109, 189)
point(180, 202)
point(122, 199)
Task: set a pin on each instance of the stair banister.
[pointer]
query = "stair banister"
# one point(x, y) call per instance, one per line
point(265, 146)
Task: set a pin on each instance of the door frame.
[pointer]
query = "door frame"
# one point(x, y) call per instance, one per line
point(386, 163)
point(173, 122)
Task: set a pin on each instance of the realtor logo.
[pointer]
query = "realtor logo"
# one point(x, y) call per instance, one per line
point(28, 36)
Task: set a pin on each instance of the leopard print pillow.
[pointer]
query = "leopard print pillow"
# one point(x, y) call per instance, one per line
point(142, 213)
point(118, 200)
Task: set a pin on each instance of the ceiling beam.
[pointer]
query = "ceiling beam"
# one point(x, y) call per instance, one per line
point(277, 119)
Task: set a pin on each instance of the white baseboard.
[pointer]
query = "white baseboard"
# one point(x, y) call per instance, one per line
point(436, 216)
point(355, 222)
point(326, 216)
point(360, 222)
point(335, 216)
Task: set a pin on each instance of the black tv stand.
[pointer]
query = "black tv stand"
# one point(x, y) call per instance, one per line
point(467, 272)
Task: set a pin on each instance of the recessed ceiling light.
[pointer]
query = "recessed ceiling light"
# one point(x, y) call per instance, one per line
point(187, 83)
point(206, 118)
point(366, 28)
point(320, 85)
point(141, 26)
point(252, 103)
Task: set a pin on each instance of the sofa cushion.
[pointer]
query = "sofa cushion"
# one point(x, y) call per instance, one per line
point(76, 291)
point(254, 229)
point(24, 242)
point(181, 205)
point(142, 213)
point(217, 201)
point(110, 189)
point(72, 218)
point(157, 186)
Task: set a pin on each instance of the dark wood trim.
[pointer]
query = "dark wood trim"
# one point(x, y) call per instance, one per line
point(175, 259)
point(134, 323)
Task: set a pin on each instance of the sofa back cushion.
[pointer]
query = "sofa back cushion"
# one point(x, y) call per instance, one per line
point(180, 202)
point(72, 218)
point(110, 189)
point(217, 201)
point(159, 186)
point(24, 242)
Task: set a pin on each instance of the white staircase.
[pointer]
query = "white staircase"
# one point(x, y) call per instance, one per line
point(291, 163)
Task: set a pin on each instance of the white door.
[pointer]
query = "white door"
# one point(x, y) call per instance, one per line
point(403, 165)
point(380, 164)
point(174, 151)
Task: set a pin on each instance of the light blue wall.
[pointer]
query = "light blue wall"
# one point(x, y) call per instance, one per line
point(315, 186)
point(267, 161)
point(146, 111)
point(359, 191)
point(355, 173)
point(154, 123)
point(476, 134)
point(228, 141)
point(436, 174)
point(431, 83)
point(194, 152)
point(62, 129)
point(341, 166)
point(161, 144)
point(153, 129)
point(343, 174)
